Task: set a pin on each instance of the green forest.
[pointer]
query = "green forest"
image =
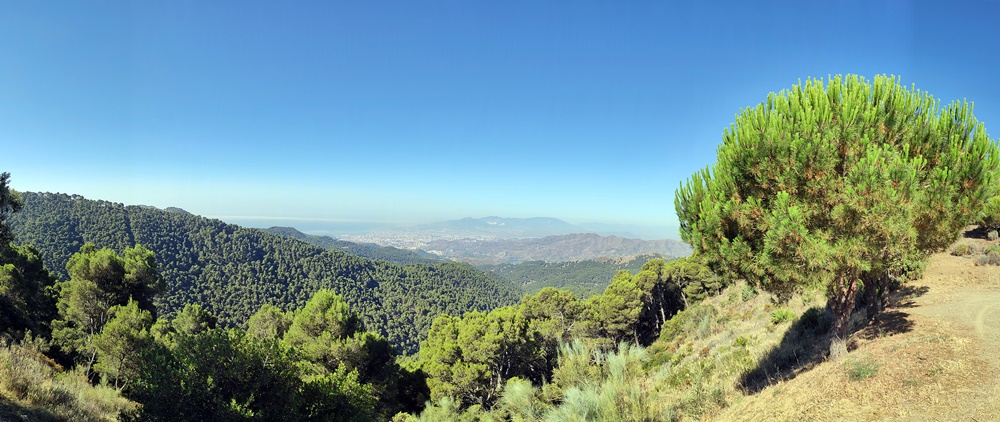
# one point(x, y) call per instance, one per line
point(824, 199)
point(582, 278)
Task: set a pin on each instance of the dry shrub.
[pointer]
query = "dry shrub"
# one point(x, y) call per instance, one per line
point(963, 249)
point(990, 259)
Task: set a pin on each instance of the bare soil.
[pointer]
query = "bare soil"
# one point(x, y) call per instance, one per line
point(935, 354)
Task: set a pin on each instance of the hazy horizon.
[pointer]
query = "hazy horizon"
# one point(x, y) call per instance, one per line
point(334, 227)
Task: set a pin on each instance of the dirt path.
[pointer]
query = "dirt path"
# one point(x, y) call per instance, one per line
point(975, 310)
point(964, 294)
point(963, 300)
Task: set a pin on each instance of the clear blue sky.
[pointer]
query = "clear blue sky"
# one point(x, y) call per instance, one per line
point(418, 111)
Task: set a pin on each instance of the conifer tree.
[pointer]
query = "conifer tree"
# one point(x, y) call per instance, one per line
point(842, 185)
point(10, 202)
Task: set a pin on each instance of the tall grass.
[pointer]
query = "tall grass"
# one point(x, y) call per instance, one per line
point(31, 384)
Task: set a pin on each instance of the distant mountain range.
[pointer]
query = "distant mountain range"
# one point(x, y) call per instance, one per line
point(570, 247)
point(490, 240)
point(500, 227)
point(503, 227)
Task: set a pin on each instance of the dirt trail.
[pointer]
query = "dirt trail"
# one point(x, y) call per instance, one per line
point(964, 294)
point(963, 300)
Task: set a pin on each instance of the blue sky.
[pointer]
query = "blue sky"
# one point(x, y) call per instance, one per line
point(424, 111)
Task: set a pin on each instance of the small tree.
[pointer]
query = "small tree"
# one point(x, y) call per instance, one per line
point(10, 202)
point(99, 280)
point(120, 343)
point(841, 186)
point(471, 358)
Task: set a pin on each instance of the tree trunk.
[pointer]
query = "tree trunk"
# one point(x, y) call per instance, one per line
point(873, 295)
point(841, 304)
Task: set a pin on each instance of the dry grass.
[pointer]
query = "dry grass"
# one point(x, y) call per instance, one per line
point(929, 373)
point(937, 355)
point(31, 387)
point(715, 351)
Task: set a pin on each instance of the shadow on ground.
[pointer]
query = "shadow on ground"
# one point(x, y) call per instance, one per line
point(804, 345)
point(9, 411)
point(807, 341)
point(978, 232)
point(903, 298)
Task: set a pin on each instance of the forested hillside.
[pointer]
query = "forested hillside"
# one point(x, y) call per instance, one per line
point(583, 278)
point(364, 250)
point(231, 271)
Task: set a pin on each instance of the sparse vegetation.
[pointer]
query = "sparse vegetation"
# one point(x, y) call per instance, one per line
point(861, 367)
point(991, 256)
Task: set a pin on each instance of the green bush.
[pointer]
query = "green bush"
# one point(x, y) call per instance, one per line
point(992, 235)
point(782, 314)
point(748, 292)
point(991, 213)
point(859, 368)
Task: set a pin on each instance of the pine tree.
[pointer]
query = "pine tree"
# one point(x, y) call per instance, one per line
point(842, 185)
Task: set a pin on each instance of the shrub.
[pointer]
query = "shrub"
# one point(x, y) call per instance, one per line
point(748, 292)
point(860, 368)
point(991, 213)
point(992, 235)
point(782, 314)
point(963, 249)
point(991, 257)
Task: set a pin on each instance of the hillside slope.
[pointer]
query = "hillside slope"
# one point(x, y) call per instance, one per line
point(934, 356)
point(232, 271)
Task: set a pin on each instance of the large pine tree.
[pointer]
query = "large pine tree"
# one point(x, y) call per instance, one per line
point(843, 185)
